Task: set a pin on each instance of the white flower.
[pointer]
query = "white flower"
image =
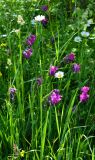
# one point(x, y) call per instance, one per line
point(85, 34)
point(89, 22)
point(3, 35)
point(20, 20)
point(59, 74)
point(77, 39)
point(39, 18)
point(15, 30)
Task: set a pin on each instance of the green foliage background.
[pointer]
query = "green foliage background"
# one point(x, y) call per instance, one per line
point(28, 123)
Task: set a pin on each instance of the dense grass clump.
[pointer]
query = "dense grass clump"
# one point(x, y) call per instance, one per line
point(47, 79)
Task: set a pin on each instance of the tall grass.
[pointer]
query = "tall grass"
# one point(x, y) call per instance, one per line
point(30, 127)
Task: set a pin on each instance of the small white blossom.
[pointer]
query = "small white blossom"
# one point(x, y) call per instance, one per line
point(39, 18)
point(3, 35)
point(77, 39)
point(89, 22)
point(20, 20)
point(59, 74)
point(85, 34)
point(15, 30)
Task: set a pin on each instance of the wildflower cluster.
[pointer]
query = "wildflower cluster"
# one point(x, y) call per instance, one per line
point(18, 153)
point(30, 41)
point(84, 33)
point(71, 58)
point(84, 95)
point(47, 81)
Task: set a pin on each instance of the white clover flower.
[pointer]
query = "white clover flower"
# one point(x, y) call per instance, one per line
point(39, 18)
point(20, 20)
point(85, 34)
point(77, 39)
point(59, 74)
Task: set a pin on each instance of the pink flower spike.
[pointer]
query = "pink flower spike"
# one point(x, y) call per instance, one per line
point(85, 89)
point(55, 97)
point(31, 39)
point(53, 70)
point(84, 97)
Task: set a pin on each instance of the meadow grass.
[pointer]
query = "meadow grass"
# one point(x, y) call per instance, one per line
point(44, 117)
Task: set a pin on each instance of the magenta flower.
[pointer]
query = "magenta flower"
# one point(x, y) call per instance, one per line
point(85, 89)
point(76, 67)
point(55, 97)
point(39, 81)
point(31, 39)
point(44, 8)
point(69, 58)
point(53, 70)
point(27, 53)
point(56, 91)
point(84, 97)
point(44, 22)
point(12, 92)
